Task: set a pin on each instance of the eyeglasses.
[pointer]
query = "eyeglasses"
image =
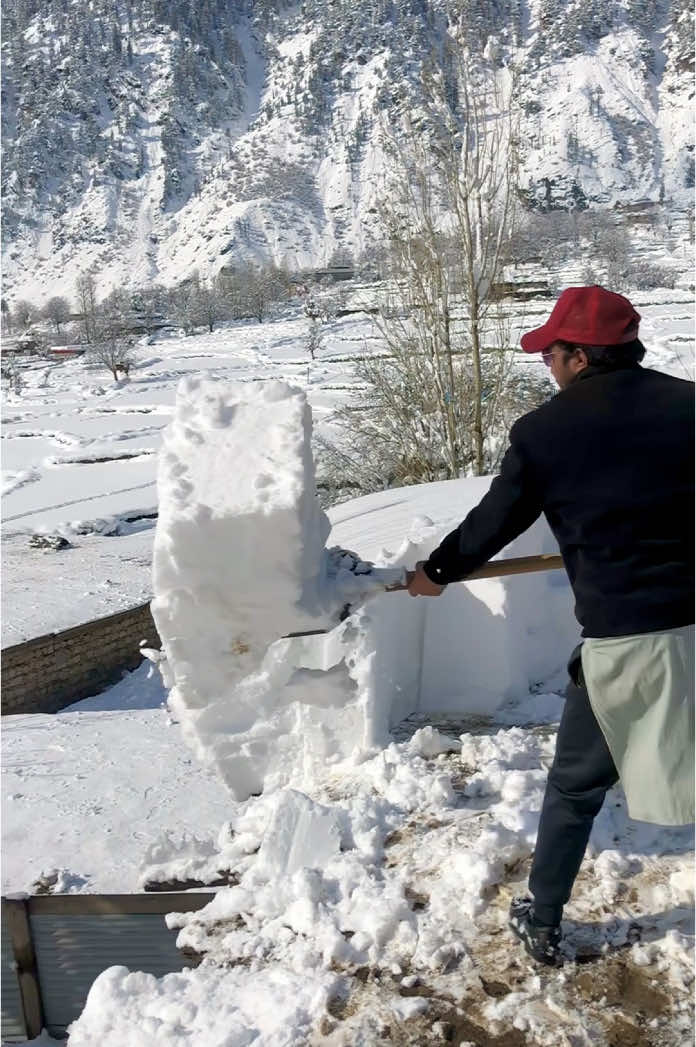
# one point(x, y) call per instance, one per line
point(548, 358)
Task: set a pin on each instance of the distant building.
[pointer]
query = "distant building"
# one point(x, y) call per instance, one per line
point(335, 272)
point(66, 350)
point(520, 291)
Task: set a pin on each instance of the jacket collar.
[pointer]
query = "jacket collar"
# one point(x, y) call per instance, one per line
point(592, 369)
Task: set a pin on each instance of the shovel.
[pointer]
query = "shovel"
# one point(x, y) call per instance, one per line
point(492, 569)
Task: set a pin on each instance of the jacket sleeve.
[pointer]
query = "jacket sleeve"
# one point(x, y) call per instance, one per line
point(510, 506)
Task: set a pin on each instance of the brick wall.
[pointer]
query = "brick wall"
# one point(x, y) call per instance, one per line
point(49, 672)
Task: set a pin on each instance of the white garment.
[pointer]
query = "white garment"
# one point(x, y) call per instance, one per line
point(641, 690)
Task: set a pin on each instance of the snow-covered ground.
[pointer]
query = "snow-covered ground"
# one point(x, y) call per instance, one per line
point(385, 923)
point(66, 435)
point(368, 899)
point(369, 885)
point(99, 835)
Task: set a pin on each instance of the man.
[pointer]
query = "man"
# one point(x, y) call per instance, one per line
point(609, 461)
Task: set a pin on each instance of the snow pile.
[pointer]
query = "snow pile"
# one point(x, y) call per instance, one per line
point(395, 874)
point(239, 561)
point(315, 884)
point(218, 1008)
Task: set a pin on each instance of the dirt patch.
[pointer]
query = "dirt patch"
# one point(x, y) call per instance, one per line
point(625, 986)
point(624, 1000)
point(416, 899)
point(338, 1007)
point(406, 835)
point(457, 1029)
point(615, 998)
point(461, 776)
point(623, 1033)
point(495, 989)
point(225, 878)
point(445, 1023)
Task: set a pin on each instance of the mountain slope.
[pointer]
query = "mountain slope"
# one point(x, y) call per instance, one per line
point(145, 138)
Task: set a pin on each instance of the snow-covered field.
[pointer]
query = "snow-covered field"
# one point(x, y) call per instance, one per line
point(368, 891)
point(80, 454)
point(79, 451)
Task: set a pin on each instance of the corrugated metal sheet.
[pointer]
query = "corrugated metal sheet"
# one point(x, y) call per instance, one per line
point(13, 1028)
point(72, 950)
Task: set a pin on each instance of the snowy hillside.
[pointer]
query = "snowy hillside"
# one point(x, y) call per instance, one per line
point(146, 139)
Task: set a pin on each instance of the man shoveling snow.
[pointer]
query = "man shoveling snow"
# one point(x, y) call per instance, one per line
point(609, 462)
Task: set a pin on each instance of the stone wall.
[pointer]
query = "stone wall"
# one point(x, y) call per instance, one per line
point(49, 672)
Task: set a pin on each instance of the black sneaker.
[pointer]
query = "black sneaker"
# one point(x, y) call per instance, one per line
point(541, 942)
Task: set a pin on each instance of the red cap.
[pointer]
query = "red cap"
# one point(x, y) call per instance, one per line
point(586, 316)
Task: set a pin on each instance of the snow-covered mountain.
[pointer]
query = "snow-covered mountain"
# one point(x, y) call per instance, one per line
point(144, 139)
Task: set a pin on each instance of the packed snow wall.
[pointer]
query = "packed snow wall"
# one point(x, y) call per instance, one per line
point(480, 643)
point(240, 560)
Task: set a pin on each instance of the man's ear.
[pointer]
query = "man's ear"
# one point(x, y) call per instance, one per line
point(579, 360)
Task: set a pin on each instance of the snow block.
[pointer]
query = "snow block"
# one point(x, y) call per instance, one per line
point(240, 535)
point(238, 554)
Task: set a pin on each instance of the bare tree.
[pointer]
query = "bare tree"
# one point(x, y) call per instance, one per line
point(182, 304)
point(250, 292)
point(231, 287)
point(209, 305)
point(263, 287)
point(57, 311)
point(446, 213)
point(86, 288)
point(611, 255)
point(550, 237)
point(149, 305)
point(112, 350)
point(11, 372)
point(25, 314)
point(7, 318)
point(314, 338)
point(477, 153)
point(646, 276)
point(112, 345)
point(116, 309)
point(258, 294)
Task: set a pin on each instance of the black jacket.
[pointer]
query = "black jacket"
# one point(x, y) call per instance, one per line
point(609, 461)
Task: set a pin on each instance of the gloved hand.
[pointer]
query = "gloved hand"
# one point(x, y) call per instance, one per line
point(420, 584)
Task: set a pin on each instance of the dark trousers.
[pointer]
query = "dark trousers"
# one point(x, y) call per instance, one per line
point(581, 773)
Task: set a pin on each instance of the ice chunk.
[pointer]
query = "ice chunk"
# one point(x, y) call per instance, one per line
point(405, 1007)
point(429, 742)
point(300, 834)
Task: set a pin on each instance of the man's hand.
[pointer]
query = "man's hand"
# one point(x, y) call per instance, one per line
point(421, 585)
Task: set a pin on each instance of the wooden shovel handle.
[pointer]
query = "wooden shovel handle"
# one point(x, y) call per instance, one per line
point(492, 569)
point(500, 568)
